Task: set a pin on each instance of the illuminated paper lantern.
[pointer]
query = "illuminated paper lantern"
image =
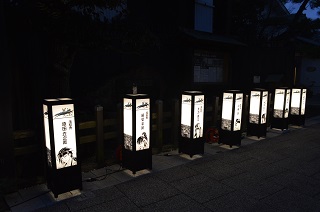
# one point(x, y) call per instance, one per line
point(281, 104)
point(192, 121)
point(60, 131)
point(258, 109)
point(298, 106)
point(136, 151)
point(231, 117)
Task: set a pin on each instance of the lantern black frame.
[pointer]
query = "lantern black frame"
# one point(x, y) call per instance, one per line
point(132, 159)
point(231, 137)
point(298, 119)
point(192, 146)
point(258, 129)
point(65, 179)
point(281, 122)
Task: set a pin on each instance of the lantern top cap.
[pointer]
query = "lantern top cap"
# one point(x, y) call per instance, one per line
point(51, 100)
point(234, 90)
point(300, 88)
point(136, 94)
point(61, 99)
point(193, 92)
point(258, 89)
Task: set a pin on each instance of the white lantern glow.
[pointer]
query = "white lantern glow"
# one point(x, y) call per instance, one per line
point(231, 117)
point(281, 105)
point(192, 120)
point(61, 145)
point(298, 106)
point(136, 151)
point(258, 108)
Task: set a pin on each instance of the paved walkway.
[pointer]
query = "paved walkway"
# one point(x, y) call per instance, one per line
point(278, 173)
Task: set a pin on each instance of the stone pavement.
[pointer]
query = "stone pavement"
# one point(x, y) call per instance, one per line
point(278, 173)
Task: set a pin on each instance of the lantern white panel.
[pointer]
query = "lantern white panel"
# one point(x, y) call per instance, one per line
point(295, 101)
point(254, 107)
point(127, 123)
point(303, 101)
point(198, 116)
point(278, 103)
point(186, 116)
point(142, 124)
point(238, 112)
point(264, 107)
point(226, 115)
point(47, 134)
point(287, 104)
point(64, 135)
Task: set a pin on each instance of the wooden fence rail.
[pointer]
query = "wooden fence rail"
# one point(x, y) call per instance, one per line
point(100, 130)
point(161, 121)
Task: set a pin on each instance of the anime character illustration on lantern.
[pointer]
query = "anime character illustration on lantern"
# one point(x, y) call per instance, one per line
point(66, 158)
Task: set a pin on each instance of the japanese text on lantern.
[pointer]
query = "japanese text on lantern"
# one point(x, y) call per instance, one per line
point(142, 121)
point(64, 133)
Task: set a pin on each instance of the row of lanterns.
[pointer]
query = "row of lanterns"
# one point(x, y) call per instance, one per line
point(288, 108)
point(63, 169)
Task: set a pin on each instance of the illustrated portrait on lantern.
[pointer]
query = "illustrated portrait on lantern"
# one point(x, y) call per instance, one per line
point(65, 144)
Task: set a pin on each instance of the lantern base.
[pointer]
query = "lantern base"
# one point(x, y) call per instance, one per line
point(137, 160)
point(259, 130)
point(230, 137)
point(279, 123)
point(63, 180)
point(298, 120)
point(191, 146)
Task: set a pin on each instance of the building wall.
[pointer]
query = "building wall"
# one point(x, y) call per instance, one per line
point(6, 151)
point(310, 75)
point(263, 62)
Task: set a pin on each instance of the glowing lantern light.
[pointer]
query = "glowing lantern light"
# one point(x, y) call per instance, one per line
point(192, 119)
point(63, 167)
point(136, 151)
point(281, 106)
point(298, 106)
point(231, 117)
point(258, 109)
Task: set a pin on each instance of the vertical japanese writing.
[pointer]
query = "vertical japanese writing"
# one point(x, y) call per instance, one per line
point(70, 124)
point(238, 109)
point(64, 133)
point(198, 114)
point(64, 128)
point(142, 121)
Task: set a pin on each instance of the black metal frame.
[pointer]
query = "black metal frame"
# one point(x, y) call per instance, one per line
point(231, 137)
point(280, 123)
point(192, 146)
point(65, 179)
point(257, 129)
point(132, 159)
point(298, 120)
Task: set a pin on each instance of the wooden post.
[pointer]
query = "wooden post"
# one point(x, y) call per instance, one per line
point(7, 160)
point(119, 132)
point(245, 113)
point(215, 110)
point(99, 136)
point(269, 109)
point(207, 119)
point(159, 124)
point(175, 122)
point(120, 123)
